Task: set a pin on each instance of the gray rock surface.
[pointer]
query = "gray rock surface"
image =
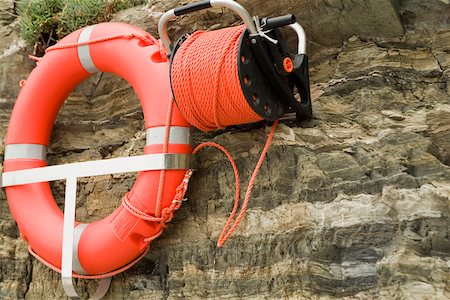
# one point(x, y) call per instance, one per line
point(354, 204)
point(326, 22)
point(6, 11)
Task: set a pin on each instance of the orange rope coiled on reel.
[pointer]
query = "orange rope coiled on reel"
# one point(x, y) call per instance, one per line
point(207, 90)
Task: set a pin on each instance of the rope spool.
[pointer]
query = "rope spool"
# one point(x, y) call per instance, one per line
point(205, 80)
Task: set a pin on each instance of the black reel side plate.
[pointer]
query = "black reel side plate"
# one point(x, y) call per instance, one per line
point(267, 86)
point(256, 87)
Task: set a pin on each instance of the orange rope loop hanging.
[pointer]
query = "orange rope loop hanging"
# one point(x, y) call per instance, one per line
point(228, 229)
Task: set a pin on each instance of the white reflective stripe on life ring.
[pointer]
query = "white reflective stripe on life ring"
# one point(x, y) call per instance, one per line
point(178, 135)
point(76, 265)
point(84, 54)
point(30, 151)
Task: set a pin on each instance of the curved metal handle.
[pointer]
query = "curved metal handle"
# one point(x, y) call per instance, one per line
point(301, 37)
point(182, 10)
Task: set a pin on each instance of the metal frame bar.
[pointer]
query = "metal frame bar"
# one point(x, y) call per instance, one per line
point(96, 168)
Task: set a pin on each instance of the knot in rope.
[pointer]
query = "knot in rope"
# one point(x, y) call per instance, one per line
point(163, 51)
point(166, 216)
point(167, 213)
point(148, 39)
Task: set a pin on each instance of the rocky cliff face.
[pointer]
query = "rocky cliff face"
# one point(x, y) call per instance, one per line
point(354, 204)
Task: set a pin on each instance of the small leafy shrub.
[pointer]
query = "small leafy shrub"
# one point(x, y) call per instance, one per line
point(44, 22)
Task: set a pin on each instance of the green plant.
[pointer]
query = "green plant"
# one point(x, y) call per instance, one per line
point(44, 22)
point(39, 21)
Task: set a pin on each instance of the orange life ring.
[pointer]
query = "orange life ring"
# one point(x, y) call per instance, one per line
point(115, 241)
